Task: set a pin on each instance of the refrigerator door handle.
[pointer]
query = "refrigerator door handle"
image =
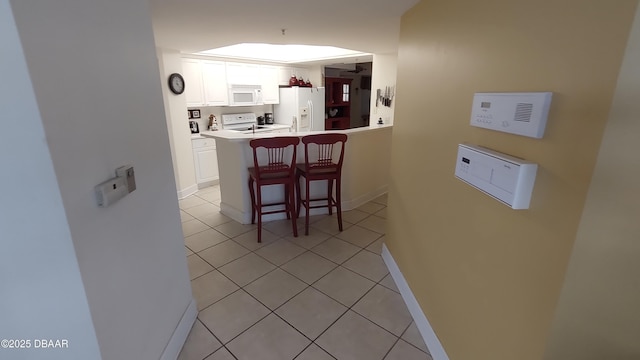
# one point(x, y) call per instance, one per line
point(310, 105)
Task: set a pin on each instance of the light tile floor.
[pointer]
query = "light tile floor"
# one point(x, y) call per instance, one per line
point(327, 295)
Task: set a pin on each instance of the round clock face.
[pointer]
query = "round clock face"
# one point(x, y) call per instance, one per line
point(176, 83)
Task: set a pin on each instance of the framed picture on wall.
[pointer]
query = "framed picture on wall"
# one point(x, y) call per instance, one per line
point(195, 114)
point(190, 112)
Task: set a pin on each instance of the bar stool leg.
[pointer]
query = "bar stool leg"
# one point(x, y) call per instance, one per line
point(330, 196)
point(253, 201)
point(338, 202)
point(290, 203)
point(287, 203)
point(307, 205)
point(298, 197)
point(259, 210)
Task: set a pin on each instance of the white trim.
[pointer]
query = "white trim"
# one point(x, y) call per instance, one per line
point(234, 213)
point(429, 336)
point(206, 184)
point(187, 191)
point(172, 350)
point(363, 199)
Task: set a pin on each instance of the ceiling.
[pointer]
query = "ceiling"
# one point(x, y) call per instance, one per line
point(190, 26)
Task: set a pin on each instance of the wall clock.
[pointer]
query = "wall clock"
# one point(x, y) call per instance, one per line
point(176, 83)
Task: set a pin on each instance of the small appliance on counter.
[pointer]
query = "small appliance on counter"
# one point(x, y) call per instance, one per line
point(268, 118)
point(193, 125)
point(260, 120)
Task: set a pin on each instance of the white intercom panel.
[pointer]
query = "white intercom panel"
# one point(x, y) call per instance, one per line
point(505, 178)
point(516, 113)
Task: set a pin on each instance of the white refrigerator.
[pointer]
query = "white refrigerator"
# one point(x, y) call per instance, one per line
point(301, 107)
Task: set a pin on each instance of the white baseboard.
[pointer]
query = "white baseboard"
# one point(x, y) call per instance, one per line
point(429, 336)
point(172, 350)
point(245, 218)
point(206, 184)
point(363, 199)
point(187, 191)
point(234, 213)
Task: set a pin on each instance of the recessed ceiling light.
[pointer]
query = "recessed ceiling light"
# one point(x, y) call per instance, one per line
point(282, 53)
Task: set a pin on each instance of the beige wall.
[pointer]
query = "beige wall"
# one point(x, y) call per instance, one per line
point(597, 315)
point(488, 277)
point(366, 164)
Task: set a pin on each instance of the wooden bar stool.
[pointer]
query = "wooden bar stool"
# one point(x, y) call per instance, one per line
point(322, 161)
point(273, 164)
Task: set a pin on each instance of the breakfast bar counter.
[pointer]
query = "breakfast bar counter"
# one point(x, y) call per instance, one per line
point(365, 170)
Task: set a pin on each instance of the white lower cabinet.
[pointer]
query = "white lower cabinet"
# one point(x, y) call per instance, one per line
point(206, 161)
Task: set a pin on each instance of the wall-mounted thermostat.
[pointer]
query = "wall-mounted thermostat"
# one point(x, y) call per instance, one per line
point(505, 178)
point(516, 113)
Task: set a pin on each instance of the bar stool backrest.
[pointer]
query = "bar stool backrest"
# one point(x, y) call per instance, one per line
point(274, 156)
point(324, 152)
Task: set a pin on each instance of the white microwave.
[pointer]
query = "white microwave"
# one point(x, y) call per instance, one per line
point(245, 95)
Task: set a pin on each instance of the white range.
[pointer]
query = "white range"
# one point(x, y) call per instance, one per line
point(246, 123)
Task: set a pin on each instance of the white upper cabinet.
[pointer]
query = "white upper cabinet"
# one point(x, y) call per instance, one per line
point(243, 74)
point(215, 83)
point(207, 81)
point(270, 84)
point(193, 90)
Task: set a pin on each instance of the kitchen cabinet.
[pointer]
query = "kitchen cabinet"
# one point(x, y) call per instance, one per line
point(270, 85)
point(243, 74)
point(338, 103)
point(206, 162)
point(193, 90)
point(205, 82)
point(216, 92)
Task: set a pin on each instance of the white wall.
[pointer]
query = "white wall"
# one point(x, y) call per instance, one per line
point(385, 70)
point(95, 75)
point(42, 293)
point(177, 123)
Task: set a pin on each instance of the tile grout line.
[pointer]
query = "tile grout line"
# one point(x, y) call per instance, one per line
point(305, 288)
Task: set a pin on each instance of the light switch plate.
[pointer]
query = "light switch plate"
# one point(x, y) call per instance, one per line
point(111, 191)
point(127, 173)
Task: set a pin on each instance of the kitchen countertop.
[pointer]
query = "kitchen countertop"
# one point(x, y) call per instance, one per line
point(239, 136)
point(263, 128)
